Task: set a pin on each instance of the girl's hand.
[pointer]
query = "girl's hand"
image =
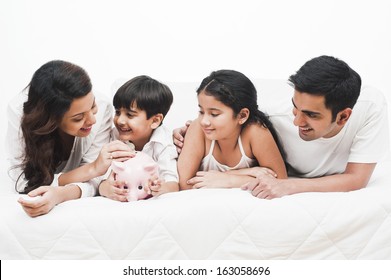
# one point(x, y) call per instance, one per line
point(115, 150)
point(209, 179)
point(113, 189)
point(49, 197)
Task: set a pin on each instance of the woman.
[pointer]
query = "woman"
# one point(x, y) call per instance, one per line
point(60, 140)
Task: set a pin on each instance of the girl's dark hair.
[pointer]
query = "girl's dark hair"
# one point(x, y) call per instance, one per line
point(236, 91)
point(149, 95)
point(51, 91)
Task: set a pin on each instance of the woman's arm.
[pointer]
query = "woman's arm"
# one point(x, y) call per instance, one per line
point(47, 197)
point(95, 160)
point(190, 158)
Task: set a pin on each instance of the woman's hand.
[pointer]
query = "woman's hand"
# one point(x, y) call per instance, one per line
point(115, 150)
point(46, 198)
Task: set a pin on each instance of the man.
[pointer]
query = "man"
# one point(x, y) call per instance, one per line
point(335, 148)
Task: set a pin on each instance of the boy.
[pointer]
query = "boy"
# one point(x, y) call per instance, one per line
point(140, 107)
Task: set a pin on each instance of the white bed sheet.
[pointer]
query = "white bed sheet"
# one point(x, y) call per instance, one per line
point(207, 224)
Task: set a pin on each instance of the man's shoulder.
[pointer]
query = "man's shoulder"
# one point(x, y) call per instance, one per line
point(372, 96)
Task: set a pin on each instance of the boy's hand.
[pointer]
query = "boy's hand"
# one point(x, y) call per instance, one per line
point(113, 189)
point(154, 186)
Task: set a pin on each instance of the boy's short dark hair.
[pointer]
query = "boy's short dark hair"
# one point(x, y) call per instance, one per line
point(329, 77)
point(149, 94)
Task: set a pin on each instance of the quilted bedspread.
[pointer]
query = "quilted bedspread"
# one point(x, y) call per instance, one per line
point(207, 224)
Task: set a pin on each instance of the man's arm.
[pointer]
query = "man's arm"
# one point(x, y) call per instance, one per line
point(356, 176)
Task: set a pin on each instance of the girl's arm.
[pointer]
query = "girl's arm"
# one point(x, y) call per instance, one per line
point(265, 150)
point(190, 158)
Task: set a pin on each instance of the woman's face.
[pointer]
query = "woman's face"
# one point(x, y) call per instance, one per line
point(80, 117)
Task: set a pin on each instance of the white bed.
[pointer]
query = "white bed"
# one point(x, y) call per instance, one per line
point(205, 223)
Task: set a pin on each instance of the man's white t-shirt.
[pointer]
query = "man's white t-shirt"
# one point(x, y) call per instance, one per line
point(364, 138)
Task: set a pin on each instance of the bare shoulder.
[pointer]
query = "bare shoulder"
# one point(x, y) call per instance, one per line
point(255, 131)
point(252, 135)
point(195, 128)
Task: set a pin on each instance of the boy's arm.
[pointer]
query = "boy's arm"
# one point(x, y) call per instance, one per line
point(356, 176)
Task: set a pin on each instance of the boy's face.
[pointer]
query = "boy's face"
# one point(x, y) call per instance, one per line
point(132, 125)
point(312, 117)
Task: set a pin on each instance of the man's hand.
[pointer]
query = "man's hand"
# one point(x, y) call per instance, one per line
point(267, 187)
point(178, 136)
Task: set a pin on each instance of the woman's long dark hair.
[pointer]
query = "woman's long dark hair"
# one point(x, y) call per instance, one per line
point(236, 91)
point(51, 91)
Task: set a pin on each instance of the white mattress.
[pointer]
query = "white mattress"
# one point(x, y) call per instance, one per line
point(207, 224)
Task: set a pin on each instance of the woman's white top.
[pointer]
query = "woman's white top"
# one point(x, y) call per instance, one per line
point(84, 150)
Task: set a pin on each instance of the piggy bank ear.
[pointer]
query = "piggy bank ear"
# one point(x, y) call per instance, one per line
point(151, 168)
point(117, 166)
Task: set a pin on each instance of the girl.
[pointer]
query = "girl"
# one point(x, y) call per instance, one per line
point(62, 133)
point(226, 136)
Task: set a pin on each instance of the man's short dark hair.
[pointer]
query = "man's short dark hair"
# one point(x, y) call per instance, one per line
point(329, 77)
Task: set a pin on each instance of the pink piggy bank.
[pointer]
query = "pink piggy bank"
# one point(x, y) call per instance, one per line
point(135, 172)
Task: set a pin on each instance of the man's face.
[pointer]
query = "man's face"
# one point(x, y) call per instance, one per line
point(312, 117)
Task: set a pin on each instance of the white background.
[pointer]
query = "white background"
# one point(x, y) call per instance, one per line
point(174, 40)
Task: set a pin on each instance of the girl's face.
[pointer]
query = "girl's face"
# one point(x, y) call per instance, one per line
point(132, 125)
point(80, 117)
point(217, 119)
